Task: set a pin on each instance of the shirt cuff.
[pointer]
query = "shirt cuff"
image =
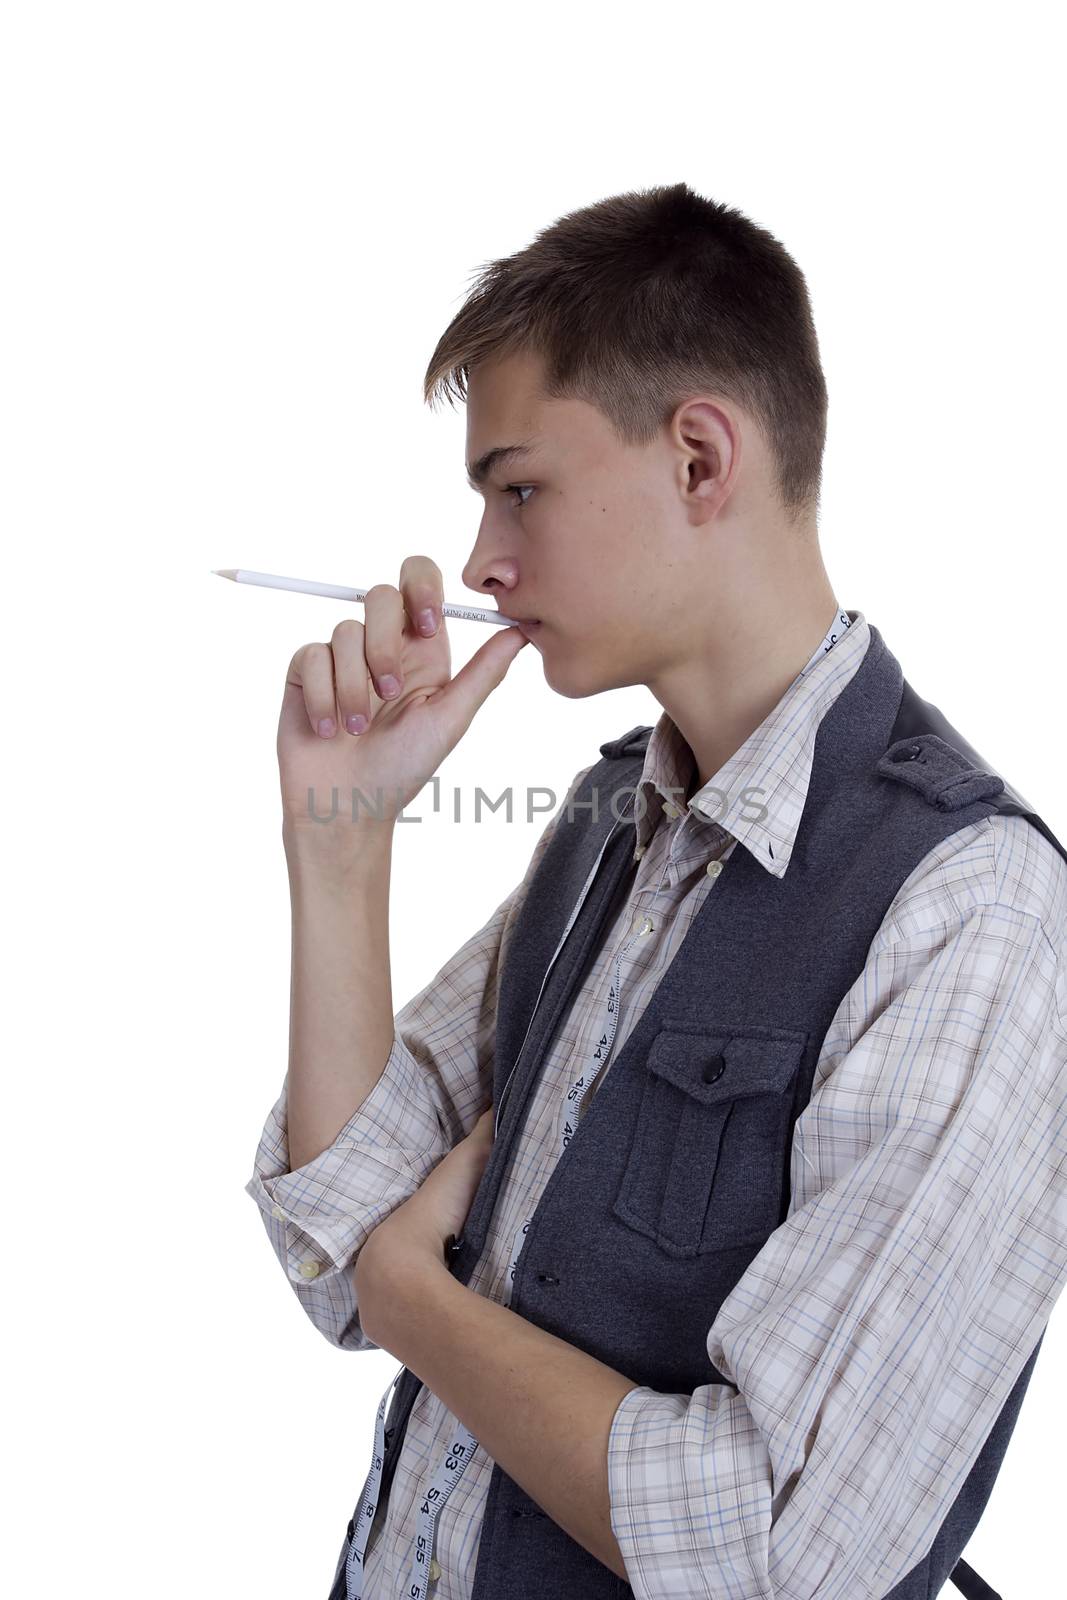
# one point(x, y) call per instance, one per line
point(690, 1484)
point(319, 1216)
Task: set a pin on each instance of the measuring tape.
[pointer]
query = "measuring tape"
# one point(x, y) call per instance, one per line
point(423, 1567)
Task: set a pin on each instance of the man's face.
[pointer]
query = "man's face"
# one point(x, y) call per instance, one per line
point(591, 537)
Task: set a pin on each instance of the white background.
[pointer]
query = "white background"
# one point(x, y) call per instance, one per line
point(233, 234)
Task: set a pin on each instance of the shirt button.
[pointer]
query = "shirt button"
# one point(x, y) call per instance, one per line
point(309, 1269)
point(714, 868)
point(671, 809)
point(277, 1211)
point(435, 1568)
point(639, 852)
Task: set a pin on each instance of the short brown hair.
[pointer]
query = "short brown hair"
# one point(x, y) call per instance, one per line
point(638, 300)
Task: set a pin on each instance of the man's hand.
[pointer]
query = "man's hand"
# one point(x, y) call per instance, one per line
point(413, 1237)
point(408, 728)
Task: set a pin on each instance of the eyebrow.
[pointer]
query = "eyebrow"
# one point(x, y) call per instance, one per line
point(501, 455)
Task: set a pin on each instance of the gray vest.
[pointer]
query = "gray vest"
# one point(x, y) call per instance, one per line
point(718, 1070)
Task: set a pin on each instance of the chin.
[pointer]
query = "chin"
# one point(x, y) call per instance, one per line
point(578, 679)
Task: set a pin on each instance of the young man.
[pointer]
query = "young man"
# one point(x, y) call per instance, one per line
point(712, 1192)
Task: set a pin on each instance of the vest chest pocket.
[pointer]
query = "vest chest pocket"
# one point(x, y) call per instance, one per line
point(705, 1170)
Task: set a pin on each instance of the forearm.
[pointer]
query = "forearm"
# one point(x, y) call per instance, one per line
point(341, 1007)
point(539, 1407)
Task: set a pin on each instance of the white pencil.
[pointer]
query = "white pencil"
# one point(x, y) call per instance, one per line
point(336, 591)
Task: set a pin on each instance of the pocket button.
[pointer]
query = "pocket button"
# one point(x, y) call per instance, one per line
point(714, 1068)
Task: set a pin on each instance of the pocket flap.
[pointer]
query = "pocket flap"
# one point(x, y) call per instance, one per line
point(738, 1061)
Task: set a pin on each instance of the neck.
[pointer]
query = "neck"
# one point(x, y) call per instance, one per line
point(720, 694)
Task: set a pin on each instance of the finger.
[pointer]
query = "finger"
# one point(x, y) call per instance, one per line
point(460, 698)
point(350, 675)
point(422, 587)
point(311, 669)
point(383, 611)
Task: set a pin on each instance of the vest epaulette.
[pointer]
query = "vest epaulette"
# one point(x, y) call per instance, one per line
point(939, 772)
point(633, 743)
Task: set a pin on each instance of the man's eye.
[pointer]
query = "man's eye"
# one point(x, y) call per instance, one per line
point(518, 488)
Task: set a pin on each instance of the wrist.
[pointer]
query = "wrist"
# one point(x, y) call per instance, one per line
point(343, 845)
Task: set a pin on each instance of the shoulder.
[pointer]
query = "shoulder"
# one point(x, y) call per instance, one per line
point(998, 865)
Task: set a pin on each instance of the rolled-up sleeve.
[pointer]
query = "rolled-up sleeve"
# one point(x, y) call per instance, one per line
point(319, 1217)
point(434, 1086)
point(691, 1484)
point(872, 1342)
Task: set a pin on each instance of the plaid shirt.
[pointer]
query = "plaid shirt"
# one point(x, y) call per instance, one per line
point(875, 1337)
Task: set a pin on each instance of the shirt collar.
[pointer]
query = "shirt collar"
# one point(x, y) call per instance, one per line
point(758, 795)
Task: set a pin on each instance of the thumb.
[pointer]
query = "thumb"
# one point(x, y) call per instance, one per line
point(472, 685)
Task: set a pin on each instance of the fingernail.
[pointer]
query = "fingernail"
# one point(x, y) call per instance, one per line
point(427, 621)
point(355, 723)
point(388, 686)
point(326, 727)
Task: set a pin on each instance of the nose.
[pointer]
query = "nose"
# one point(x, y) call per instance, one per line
point(489, 572)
